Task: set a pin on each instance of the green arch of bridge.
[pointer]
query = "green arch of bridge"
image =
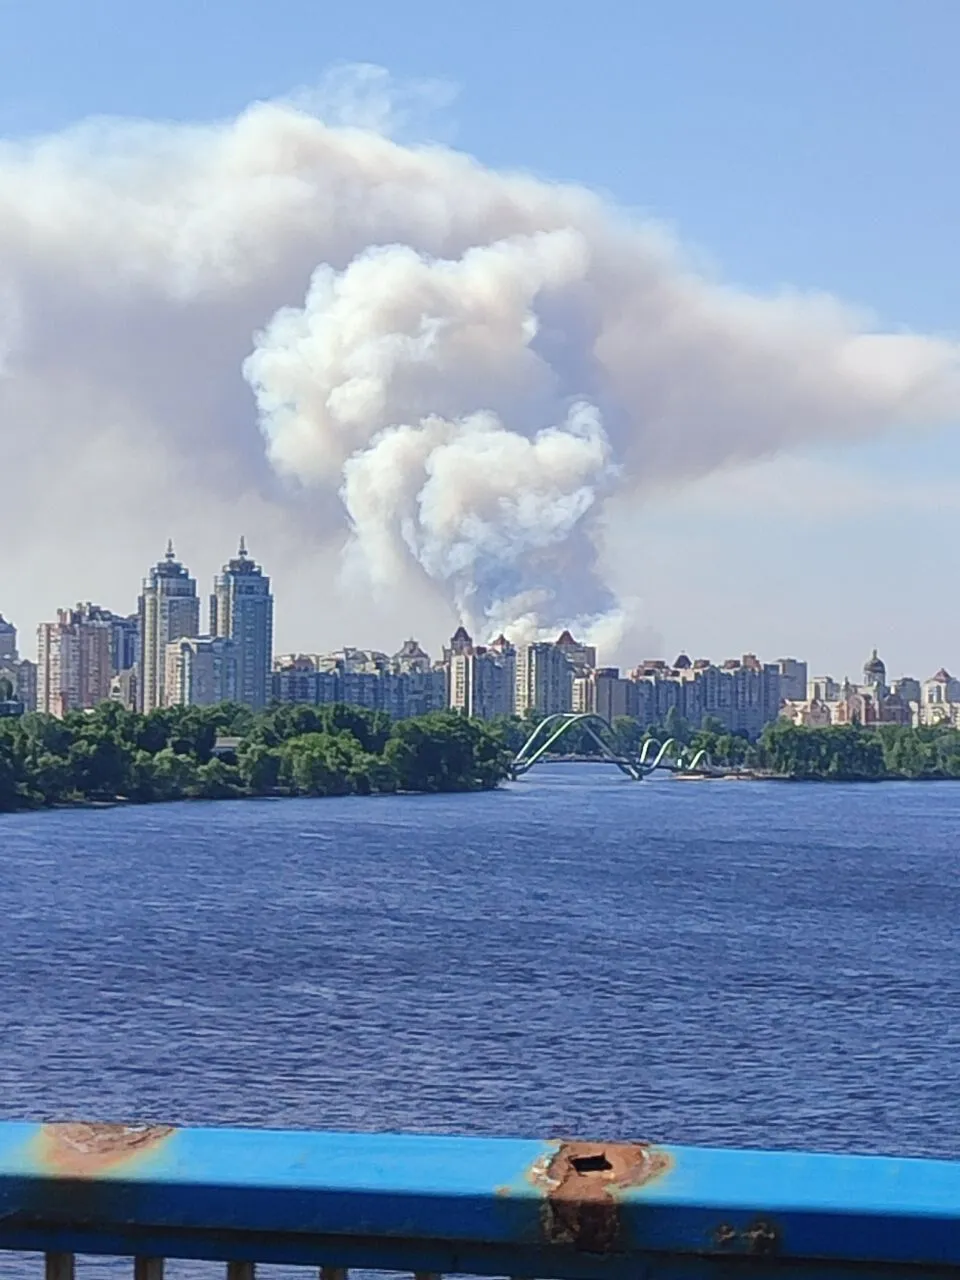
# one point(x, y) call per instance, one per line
point(654, 754)
point(550, 730)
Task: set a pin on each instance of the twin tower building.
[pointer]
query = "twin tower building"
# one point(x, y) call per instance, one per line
point(231, 663)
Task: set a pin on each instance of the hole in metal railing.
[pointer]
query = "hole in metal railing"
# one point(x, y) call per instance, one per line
point(591, 1164)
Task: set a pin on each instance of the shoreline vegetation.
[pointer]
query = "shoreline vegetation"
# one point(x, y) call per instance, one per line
point(110, 755)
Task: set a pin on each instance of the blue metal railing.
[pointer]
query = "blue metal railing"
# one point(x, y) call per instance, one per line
point(431, 1205)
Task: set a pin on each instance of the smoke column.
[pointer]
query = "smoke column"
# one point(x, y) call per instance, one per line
point(451, 368)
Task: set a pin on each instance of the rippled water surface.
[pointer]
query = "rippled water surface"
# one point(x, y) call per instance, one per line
point(714, 962)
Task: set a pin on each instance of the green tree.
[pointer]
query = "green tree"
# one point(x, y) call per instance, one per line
point(51, 779)
point(674, 726)
point(217, 781)
point(371, 729)
point(511, 731)
point(100, 766)
point(628, 734)
point(444, 752)
point(14, 793)
point(259, 767)
point(173, 775)
point(319, 764)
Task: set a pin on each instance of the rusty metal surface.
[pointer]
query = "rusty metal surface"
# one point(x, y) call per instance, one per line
point(758, 1239)
point(87, 1150)
point(423, 1203)
point(582, 1182)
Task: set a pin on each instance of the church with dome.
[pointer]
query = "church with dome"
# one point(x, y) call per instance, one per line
point(871, 702)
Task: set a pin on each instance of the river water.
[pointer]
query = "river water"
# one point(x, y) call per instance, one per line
point(715, 962)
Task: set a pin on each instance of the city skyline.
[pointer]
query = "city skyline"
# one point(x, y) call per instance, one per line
point(158, 658)
point(433, 641)
point(243, 569)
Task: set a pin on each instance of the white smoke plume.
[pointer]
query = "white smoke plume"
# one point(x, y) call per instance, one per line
point(449, 367)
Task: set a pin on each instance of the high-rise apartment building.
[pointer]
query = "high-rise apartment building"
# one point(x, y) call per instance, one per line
point(241, 609)
point(169, 610)
point(822, 689)
point(26, 683)
point(19, 673)
point(742, 693)
point(123, 688)
point(603, 692)
point(73, 661)
point(408, 684)
point(124, 642)
point(544, 680)
point(483, 678)
point(201, 671)
point(582, 657)
point(793, 679)
point(8, 642)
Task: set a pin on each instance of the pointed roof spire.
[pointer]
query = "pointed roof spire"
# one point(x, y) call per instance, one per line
point(242, 552)
point(170, 555)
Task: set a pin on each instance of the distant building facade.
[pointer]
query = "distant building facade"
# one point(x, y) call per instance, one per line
point(871, 702)
point(25, 673)
point(823, 688)
point(124, 642)
point(582, 657)
point(8, 643)
point(73, 661)
point(810, 713)
point(169, 609)
point(482, 678)
point(793, 679)
point(939, 701)
point(241, 609)
point(544, 679)
point(11, 703)
point(123, 689)
point(19, 673)
point(604, 692)
point(200, 671)
point(405, 685)
point(743, 694)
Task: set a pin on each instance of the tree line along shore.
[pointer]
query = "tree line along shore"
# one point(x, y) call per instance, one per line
point(110, 754)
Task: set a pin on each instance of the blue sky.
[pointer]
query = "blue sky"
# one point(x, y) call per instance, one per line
point(808, 143)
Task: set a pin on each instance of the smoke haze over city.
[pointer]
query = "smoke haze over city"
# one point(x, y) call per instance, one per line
point(423, 388)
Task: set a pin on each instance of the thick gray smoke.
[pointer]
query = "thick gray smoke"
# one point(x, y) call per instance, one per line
point(455, 367)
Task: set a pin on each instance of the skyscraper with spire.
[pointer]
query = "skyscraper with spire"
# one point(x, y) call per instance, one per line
point(241, 609)
point(169, 609)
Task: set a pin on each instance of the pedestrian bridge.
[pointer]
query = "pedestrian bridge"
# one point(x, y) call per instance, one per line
point(429, 1206)
point(669, 755)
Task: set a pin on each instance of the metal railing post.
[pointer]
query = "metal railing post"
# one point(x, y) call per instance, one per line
point(148, 1269)
point(60, 1266)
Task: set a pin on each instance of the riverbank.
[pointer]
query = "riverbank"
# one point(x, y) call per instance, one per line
point(835, 753)
point(112, 756)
